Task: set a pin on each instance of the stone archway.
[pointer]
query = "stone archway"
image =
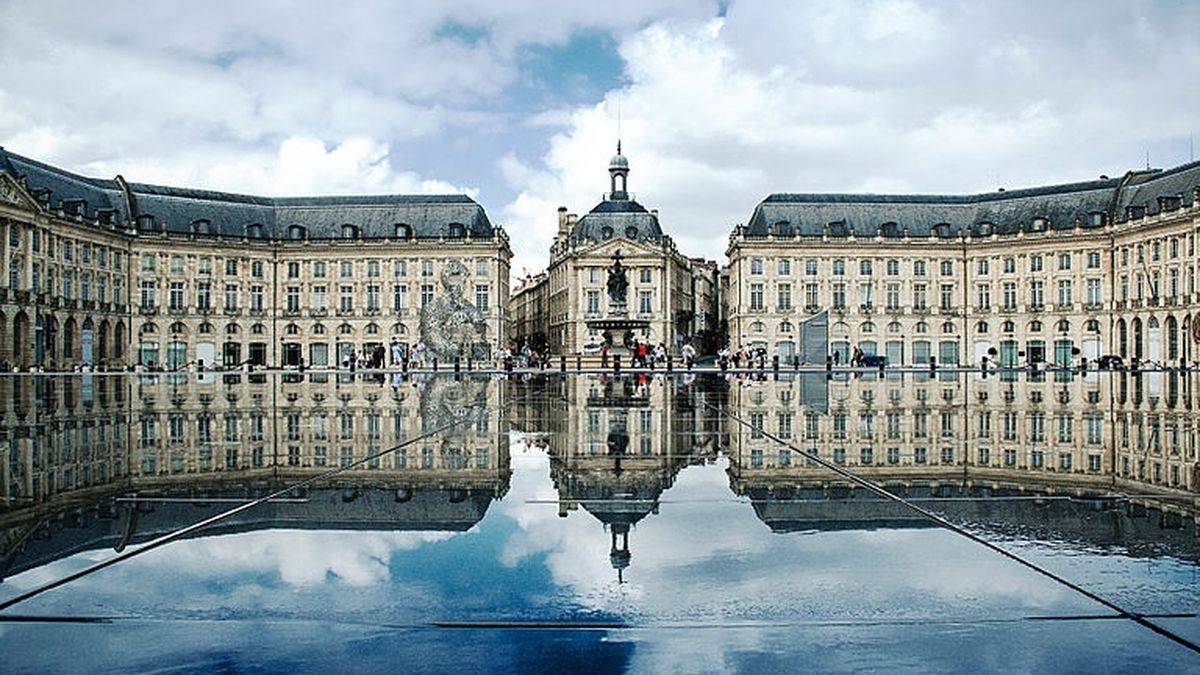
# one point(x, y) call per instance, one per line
point(118, 341)
point(102, 343)
point(21, 328)
point(70, 345)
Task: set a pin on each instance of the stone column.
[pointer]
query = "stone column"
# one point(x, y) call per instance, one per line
point(27, 249)
point(4, 252)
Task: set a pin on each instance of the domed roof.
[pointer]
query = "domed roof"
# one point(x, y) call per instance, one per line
point(618, 161)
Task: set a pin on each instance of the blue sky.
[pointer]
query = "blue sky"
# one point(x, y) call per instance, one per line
point(516, 103)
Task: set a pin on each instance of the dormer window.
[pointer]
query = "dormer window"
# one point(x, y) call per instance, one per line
point(457, 230)
point(145, 223)
point(631, 232)
point(297, 232)
point(74, 207)
point(349, 231)
point(1096, 219)
point(1169, 203)
point(984, 228)
point(403, 231)
point(783, 228)
point(254, 231)
point(606, 232)
point(891, 230)
point(105, 216)
point(201, 226)
point(943, 231)
point(1039, 224)
point(838, 229)
point(1133, 212)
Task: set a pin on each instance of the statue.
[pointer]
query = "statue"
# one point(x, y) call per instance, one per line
point(452, 326)
point(618, 283)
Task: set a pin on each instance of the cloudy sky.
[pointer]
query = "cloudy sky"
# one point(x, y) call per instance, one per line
point(516, 103)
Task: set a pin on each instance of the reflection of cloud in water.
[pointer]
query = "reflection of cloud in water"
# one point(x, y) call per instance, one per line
point(299, 558)
point(706, 557)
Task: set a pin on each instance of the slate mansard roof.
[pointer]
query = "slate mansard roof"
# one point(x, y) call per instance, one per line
point(618, 218)
point(186, 210)
point(1057, 207)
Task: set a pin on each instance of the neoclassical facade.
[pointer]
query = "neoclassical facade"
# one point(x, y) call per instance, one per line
point(109, 273)
point(615, 277)
point(1038, 275)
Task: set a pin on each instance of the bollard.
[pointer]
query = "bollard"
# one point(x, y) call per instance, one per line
point(616, 364)
point(562, 363)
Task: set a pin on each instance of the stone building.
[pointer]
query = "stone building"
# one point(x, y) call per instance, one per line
point(110, 273)
point(615, 277)
point(1039, 274)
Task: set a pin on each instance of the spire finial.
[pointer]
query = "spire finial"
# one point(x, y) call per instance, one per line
point(618, 146)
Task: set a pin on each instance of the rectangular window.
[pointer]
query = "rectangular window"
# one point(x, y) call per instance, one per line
point(426, 294)
point(319, 269)
point(983, 296)
point(644, 304)
point(292, 299)
point(756, 297)
point(231, 297)
point(426, 268)
point(785, 297)
point(1037, 295)
point(346, 269)
point(346, 300)
point(1035, 263)
point(203, 295)
point(372, 268)
point(318, 298)
point(1094, 295)
point(947, 297)
point(919, 297)
point(864, 267)
point(175, 296)
point(644, 275)
point(256, 298)
point(839, 295)
point(481, 267)
point(1093, 260)
point(399, 268)
point(593, 302)
point(785, 267)
point(231, 267)
point(756, 266)
point(400, 297)
point(293, 270)
point(482, 298)
point(373, 297)
point(1064, 293)
point(810, 267)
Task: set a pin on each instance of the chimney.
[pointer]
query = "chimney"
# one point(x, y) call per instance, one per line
point(562, 220)
point(654, 212)
point(571, 220)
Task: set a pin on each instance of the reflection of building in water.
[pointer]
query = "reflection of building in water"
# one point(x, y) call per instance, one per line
point(616, 444)
point(1038, 427)
point(71, 446)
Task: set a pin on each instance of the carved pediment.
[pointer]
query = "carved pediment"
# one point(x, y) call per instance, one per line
point(13, 194)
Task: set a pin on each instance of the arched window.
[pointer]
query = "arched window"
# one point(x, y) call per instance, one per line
point(349, 231)
point(292, 329)
point(1039, 224)
point(231, 329)
point(785, 327)
point(403, 231)
point(981, 327)
point(297, 232)
point(1035, 326)
point(372, 329)
point(345, 329)
point(1063, 326)
point(606, 232)
point(258, 329)
point(178, 327)
point(867, 327)
point(922, 327)
point(631, 232)
point(1008, 327)
point(1093, 326)
point(318, 329)
point(205, 328)
point(948, 327)
point(757, 327)
point(894, 327)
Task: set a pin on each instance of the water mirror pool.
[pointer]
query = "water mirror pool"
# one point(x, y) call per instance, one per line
point(281, 522)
